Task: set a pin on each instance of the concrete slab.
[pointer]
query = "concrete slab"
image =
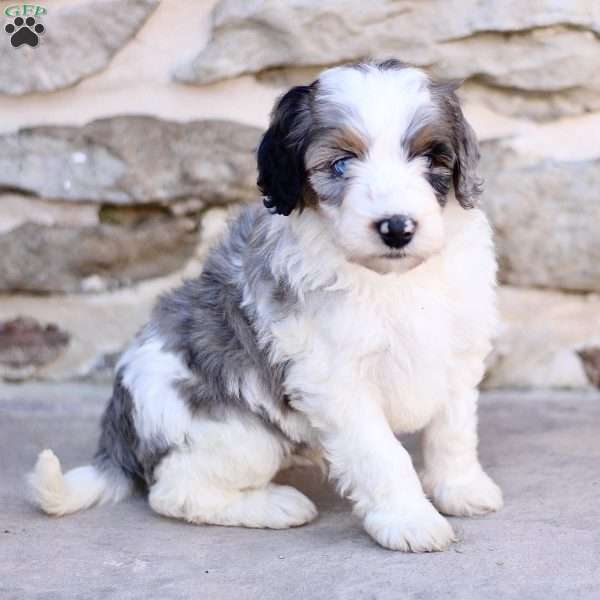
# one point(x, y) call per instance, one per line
point(543, 449)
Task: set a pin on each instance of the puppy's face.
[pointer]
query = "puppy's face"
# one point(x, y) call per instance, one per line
point(376, 150)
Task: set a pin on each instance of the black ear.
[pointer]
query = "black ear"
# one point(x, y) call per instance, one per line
point(467, 183)
point(282, 175)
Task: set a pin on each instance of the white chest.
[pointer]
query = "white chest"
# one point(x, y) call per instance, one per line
point(389, 341)
point(409, 328)
point(411, 373)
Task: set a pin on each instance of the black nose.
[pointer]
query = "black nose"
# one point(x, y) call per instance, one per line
point(397, 231)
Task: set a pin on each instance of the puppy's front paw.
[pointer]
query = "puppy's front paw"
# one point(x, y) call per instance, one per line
point(417, 528)
point(464, 497)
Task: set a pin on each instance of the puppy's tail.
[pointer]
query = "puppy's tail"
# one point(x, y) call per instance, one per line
point(78, 489)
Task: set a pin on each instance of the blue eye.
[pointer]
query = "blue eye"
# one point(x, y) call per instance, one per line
point(339, 166)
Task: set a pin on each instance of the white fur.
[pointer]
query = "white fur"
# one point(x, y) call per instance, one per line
point(385, 182)
point(150, 374)
point(223, 477)
point(80, 488)
point(295, 424)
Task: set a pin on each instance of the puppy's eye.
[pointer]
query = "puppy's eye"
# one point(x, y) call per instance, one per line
point(338, 168)
point(439, 155)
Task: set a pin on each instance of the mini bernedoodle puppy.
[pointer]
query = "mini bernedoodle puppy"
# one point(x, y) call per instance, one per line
point(360, 305)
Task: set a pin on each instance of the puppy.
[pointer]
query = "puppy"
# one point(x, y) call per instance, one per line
point(360, 305)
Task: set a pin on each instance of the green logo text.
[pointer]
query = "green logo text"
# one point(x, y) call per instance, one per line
point(24, 10)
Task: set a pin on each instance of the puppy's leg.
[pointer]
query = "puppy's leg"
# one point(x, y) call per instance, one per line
point(453, 477)
point(223, 477)
point(375, 470)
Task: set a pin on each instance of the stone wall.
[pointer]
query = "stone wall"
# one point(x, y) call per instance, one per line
point(127, 136)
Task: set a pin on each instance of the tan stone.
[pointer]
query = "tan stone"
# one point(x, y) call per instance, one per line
point(542, 335)
point(546, 218)
point(532, 48)
point(101, 325)
point(38, 258)
point(26, 344)
point(16, 209)
point(590, 357)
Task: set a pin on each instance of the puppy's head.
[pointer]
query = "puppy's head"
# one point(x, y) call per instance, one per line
point(377, 150)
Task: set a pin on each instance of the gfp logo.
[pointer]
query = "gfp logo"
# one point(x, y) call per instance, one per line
point(24, 29)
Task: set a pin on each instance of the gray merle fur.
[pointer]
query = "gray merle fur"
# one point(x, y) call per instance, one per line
point(206, 324)
point(120, 447)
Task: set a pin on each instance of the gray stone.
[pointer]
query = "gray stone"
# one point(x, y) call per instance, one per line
point(541, 447)
point(546, 217)
point(131, 159)
point(532, 48)
point(38, 258)
point(80, 40)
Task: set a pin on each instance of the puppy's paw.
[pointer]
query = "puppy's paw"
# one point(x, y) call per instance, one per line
point(418, 528)
point(464, 497)
point(286, 507)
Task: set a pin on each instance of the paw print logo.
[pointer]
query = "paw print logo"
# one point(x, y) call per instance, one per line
point(24, 31)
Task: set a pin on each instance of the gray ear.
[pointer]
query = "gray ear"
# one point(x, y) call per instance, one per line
point(467, 183)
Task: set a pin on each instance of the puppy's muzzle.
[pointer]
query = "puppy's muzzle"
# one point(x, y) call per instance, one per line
point(397, 230)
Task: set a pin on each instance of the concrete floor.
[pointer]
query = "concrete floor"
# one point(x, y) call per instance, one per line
point(542, 448)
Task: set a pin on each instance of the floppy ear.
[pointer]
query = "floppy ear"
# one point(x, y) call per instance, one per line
point(281, 172)
point(467, 183)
